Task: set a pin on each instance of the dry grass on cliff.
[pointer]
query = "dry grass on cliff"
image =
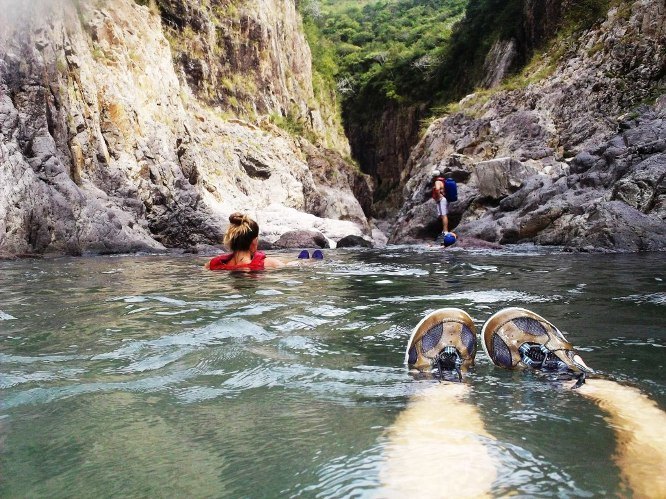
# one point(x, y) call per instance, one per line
point(544, 63)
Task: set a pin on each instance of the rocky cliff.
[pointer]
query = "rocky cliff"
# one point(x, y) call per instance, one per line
point(112, 140)
point(249, 58)
point(382, 143)
point(571, 152)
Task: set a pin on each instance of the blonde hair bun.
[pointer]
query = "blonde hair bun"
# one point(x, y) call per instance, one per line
point(237, 218)
point(241, 232)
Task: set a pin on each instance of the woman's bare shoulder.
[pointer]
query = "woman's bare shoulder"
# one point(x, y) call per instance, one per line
point(273, 263)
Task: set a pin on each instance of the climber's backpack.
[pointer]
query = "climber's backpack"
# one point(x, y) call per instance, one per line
point(450, 190)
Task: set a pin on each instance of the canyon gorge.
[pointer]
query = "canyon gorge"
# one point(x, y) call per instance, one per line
point(127, 127)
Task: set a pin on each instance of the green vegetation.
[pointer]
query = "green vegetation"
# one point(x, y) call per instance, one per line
point(485, 22)
point(379, 53)
point(372, 55)
point(582, 14)
point(293, 125)
point(384, 48)
point(61, 64)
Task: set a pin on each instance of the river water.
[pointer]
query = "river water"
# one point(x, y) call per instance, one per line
point(148, 376)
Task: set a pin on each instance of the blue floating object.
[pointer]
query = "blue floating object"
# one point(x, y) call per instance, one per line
point(305, 254)
point(449, 239)
point(318, 254)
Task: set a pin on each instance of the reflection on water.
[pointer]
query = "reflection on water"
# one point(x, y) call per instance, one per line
point(142, 375)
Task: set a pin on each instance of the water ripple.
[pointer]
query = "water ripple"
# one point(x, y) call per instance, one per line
point(347, 476)
point(651, 298)
point(48, 395)
point(6, 317)
point(8, 380)
point(299, 322)
point(490, 296)
point(146, 355)
point(376, 269)
point(256, 309)
point(308, 346)
point(328, 311)
point(345, 387)
point(522, 474)
point(20, 359)
point(207, 335)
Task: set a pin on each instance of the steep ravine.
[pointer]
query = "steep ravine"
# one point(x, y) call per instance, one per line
point(382, 131)
point(382, 143)
point(576, 158)
point(105, 147)
point(138, 128)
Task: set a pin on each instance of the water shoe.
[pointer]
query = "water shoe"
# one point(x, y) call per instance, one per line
point(444, 340)
point(516, 338)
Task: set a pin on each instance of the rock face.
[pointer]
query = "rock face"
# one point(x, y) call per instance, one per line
point(249, 58)
point(341, 191)
point(498, 62)
point(104, 149)
point(302, 239)
point(382, 144)
point(499, 177)
point(572, 160)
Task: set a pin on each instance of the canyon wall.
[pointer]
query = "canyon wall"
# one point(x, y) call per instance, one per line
point(109, 144)
point(128, 127)
point(249, 58)
point(382, 131)
point(382, 143)
point(572, 153)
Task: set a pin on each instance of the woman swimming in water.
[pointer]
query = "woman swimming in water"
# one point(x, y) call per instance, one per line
point(242, 237)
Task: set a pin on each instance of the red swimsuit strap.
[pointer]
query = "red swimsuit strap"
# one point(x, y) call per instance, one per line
point(221, 262)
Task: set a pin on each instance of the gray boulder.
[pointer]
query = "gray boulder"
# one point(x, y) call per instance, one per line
point(302, 239)
point(353, 241)
point(615, 226)
point(497, 178)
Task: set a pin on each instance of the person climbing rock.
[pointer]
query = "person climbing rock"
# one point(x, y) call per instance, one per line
point(438, 194)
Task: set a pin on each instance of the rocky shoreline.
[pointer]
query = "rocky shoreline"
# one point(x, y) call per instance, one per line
point(104, 148)
point(608, 199)
point(574, 160)
point(107, 145)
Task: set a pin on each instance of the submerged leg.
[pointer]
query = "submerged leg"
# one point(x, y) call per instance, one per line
point(639, 427)
point(438, 422)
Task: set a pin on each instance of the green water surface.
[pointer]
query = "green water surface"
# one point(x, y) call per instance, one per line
point(148, 376)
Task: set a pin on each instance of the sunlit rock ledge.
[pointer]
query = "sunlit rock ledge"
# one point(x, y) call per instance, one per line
point(105, 148)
